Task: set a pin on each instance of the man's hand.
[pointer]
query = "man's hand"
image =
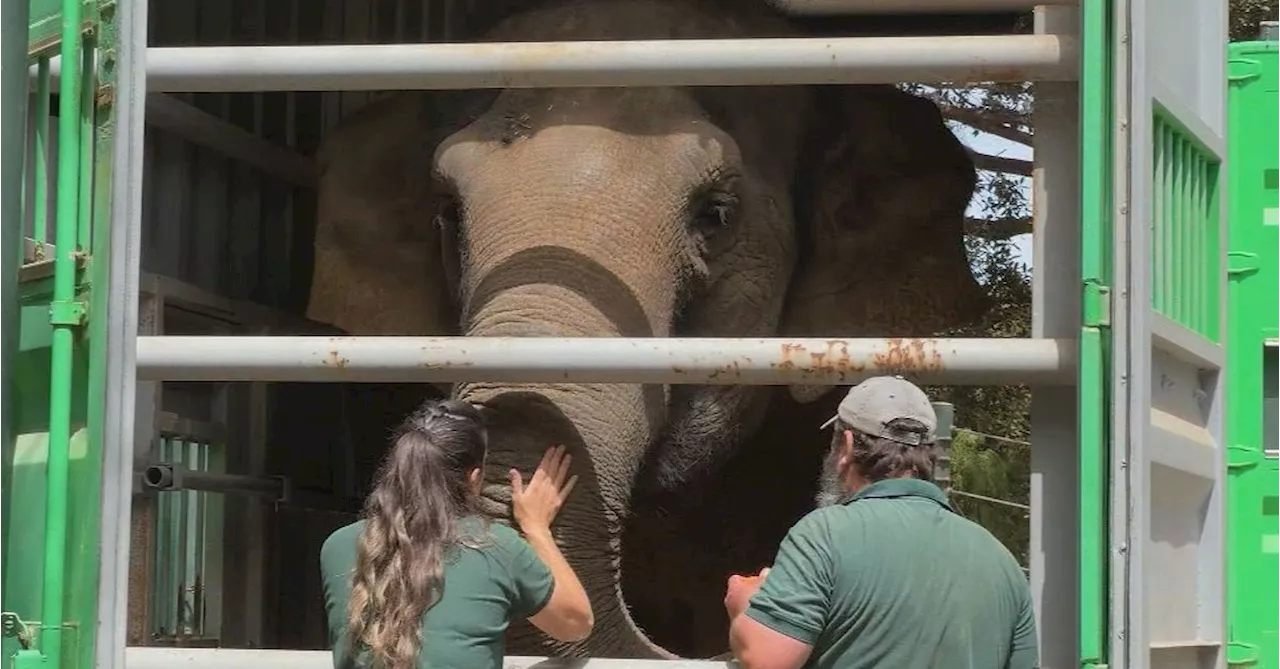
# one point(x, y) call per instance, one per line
point(739, 590)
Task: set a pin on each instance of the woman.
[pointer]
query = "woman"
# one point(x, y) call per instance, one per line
point(425, 581)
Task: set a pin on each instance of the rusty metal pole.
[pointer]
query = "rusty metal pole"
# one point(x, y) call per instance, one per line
point(946, 413)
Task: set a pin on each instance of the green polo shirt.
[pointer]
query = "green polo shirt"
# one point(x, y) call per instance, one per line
point(485, 587)
point(894, 579)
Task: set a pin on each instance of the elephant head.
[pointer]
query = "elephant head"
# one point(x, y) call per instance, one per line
point(639, 212)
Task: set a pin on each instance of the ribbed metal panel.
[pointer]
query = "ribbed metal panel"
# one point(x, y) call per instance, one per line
point(227, 227)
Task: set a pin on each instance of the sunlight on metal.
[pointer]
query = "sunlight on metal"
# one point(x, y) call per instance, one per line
point(698, 360)
point(693, 62)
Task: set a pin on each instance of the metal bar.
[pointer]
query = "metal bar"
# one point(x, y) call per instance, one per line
point(199, 127)
point(152, 657)
point(724, 62)
point(712, 361)
point(864, 7)
point(946, 414)
point(990, 500)
point(62, 346)
point(121, 237)
point(1056, 304)
point(40, 167)
point(167, 476)
point(14, 18)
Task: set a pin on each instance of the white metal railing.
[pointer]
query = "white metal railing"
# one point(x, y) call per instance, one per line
point(145, 657)
point(685, 62)
point(604, 360)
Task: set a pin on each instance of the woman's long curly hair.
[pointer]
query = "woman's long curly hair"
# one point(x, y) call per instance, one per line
point(410, 523)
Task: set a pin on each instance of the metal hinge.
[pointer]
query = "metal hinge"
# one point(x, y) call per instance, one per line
point(12, 626)
point(1241, 263)
point(1240, 654)
point(1097, 304)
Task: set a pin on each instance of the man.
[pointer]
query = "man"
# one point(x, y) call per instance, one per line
point(884, 574)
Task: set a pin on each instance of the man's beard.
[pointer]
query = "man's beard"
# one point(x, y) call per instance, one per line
point(831, 489)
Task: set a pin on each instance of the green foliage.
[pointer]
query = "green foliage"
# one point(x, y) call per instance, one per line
point(1246, 17)
point(986, 466)
point(998, 469)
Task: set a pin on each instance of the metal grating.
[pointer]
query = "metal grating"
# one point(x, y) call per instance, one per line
point(187, 566)
point(1185, 260)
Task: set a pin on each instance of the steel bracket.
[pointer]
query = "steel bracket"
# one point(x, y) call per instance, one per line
point(69, 312)
point(28, 659)
point(1240, 654)
point(1241, 264)
point(1097, 304)
point(1249, 457)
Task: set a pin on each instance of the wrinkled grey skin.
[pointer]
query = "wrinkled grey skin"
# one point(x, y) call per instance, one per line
point(654, 212)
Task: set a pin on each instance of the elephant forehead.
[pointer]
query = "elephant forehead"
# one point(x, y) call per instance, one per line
point(586, 157)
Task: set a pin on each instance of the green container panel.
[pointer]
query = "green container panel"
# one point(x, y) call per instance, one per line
point(54, 381)
point(1253, 105)
point(1185, 244)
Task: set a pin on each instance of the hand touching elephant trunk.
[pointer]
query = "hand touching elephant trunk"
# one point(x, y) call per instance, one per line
point(647, 212)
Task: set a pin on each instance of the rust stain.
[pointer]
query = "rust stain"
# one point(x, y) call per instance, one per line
point(909, 355)
point(335, 359)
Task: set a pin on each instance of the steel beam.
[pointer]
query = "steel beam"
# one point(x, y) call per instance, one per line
point(166, 477)
point(605, 360)
point(693, 62)
point(145, 657)
point(866, 7)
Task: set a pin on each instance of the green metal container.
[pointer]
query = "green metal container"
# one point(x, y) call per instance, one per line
point(1253, 564)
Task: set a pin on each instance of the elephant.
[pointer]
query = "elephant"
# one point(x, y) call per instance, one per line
point(716, 211)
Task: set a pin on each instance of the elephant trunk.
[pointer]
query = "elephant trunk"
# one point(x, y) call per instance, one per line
point(606, 427)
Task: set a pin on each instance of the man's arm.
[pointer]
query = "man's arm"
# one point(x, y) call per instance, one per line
point(1025, 651)
point(783, 619)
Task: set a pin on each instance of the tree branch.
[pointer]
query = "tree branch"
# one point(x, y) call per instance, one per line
point(981, 121)
point(1001, 164)
point(998, 229)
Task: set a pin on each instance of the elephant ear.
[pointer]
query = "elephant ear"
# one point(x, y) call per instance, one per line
point(378, 259)
point(881, 205)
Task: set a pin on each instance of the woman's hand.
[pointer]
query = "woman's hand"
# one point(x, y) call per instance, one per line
point(536, 505)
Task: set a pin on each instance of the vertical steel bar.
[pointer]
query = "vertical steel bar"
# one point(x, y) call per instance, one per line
point(1059, 498)
point(13, 78)
point(117, 248)
point(1092, 396)
point(62, 352)
point(40, 160)
point(88, 89)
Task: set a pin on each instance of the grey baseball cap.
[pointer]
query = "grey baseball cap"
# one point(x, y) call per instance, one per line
point(870, 406)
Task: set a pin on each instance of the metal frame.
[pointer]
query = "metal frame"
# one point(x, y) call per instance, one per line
point(1049, 359)
point(693, 360)
point(1155, 356)
point(1055, 491)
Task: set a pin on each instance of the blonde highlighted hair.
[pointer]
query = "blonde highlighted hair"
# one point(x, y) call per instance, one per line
point(411, 517)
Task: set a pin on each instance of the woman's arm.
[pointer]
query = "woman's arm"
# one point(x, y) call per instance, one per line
point(567, 616)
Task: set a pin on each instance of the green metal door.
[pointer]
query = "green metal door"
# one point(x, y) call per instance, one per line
point(54, 365)
point(1252, 303)
point(1093, 388)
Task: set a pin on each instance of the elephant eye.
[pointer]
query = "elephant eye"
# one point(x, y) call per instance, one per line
point(713, 212)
